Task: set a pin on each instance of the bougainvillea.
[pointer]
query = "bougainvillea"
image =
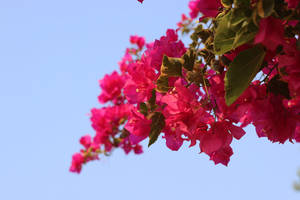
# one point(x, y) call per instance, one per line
point(242, 67)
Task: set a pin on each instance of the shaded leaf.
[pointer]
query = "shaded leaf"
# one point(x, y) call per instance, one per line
point(227, 3)
point(265, 8)
point(278, 87)
point(242, 71)
point(189, 60)
point(171, 66)
point(241, 3)
point(157, 125)
point(162, 84)
point(143, 109)
point(298, 44)
point(236, 18)
point(152, 100)
point(244, 35)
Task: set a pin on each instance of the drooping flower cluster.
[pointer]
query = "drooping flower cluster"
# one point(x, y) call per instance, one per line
point(242, 67)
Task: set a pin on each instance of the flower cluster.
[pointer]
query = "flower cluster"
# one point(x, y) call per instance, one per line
point(242, 67)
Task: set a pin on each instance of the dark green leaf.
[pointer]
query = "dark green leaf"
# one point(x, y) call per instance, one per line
point(143, 109)
point(298, 44)
point(157, 125)
point(171, 66)
point(241, 3)
point(236, 18)
point(189, 60)
point(244, 35)
point(276, 86)
point(241, 72)
point(227, 3)
point(152, 100)
point(265, 7)
point(162, 84)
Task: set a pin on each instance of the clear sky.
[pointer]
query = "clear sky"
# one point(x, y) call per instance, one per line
point(52, 54)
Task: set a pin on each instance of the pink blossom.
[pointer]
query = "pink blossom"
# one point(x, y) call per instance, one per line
point(77, 161)
point(222, 155)
point(292, 3)
point(184, 115)
point(86, 141)
point(271, 33)
point(140, 83)
point(184, 18)
point(139, 41)
point(126, 61)
point(138, 149)
point(215, 139)
point(266, 115)
point(290, 61)
point(209, 8)
point(173, 141)
point(138, 126)
point(111, 86)
point(167, 45)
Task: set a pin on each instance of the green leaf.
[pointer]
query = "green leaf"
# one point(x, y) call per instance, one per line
point(143, 109)
point(278, 87)
point(265, 8)
point(245, 34)
point(236, 18)
point(152, 100)
point(162, 84)
point(227, 3)
point(158, 123)
point(224, 36)
point(233, 30)
point(298, 44)
point(171, 66)
point(189, 60)
point(241, 3)
point(242, 71)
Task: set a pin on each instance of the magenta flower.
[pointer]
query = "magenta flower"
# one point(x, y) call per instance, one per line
point(141, 82)
point(139, 41)
point(209, 8)
point(167, 45)
point(138, 126)
point(271, 33)
point(292, 3)
point(111, 86)
point(77, 161)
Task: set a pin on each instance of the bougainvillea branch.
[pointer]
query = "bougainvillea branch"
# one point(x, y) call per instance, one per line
point(242, 67)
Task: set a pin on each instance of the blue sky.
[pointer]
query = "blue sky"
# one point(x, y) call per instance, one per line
point(52, 54)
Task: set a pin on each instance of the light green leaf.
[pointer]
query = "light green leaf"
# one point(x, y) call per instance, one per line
point(224, 36)
point(242, 71)
point(233, 30)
